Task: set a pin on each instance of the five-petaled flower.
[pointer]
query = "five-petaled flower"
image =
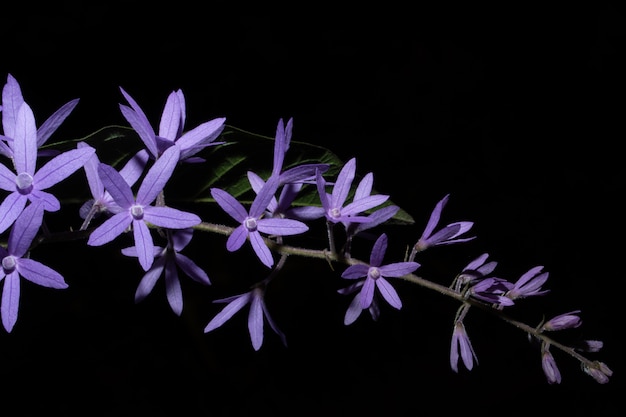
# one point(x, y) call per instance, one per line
point(28, 183)
point(171, 128)
point(137, 211)
point(333, 203)
point(15, 263)
point(253, 222)
point(168, 260)
point(258, 310)
point(375, 274)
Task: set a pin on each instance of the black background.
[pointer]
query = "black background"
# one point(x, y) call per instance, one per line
point(516, 112)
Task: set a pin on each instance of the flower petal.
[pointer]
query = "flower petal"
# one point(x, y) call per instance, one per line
point(10, 300)
point(158, 175)
point(61, 167)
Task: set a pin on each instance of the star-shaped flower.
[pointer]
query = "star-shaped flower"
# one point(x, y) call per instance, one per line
point(12, 100)
point(168, 260)
point(255, 317)
point(15, 263)
point(171, 128)
point(333, 203)
point(137, 211)
point(253, 222)
point(28, 183)
point(102, 201)
point(446, 236)
point(375, 274)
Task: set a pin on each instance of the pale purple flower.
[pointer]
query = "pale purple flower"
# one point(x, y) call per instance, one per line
point(258, 310)
point(16, 263)
point(28, 183)
point(598, 371)
point(548, 364)
point(529, 284)
point(375, 275)
point(563, 321)
point(12, 100)
point(460, 341)
point(167, 260)
point(171, 128)
point(333, 203)
point(446, 236)
point(253, 222)
point(102, 201)
point(476, 270)
point(492, 290)
point(137, 211)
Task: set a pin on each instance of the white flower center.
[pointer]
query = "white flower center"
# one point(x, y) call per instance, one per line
point(137, 212)
point(24, 182)
point(374, 273)
point(335, 213)
point(8, 264)
point(250, 224)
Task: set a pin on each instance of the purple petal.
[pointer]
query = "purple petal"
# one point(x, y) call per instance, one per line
point(53, 122)
point(398, 269)
point(110, 229)
point(528, 275)
point(173, 290)
point(281, 227)
point(343, 183)
point(301, 173)
point(158, 175)
point(150, 279)
point(7, 179)
point(40, 274)
point(261, 249)
point(10, 300)
point(142, 126)
point(255, 320)
point(229, 204)
point(364, 188)
point(377, 217)
point(10, 209)
point(434, 217)
point(389, 293)
point(273, 324)
point(143, 243)
point(50, 202)
point(363, 204)
point(192, 270)
point(134, 167)
point(25, 141)
point(12, 100)
point(354, 310)
point(61, 167)
point(227, 312)
point(25, 229)
point(264, 197)
point(170, 118)
point(170, 218)
point(116, 186)
point(181, 238)
point(200, 136)
point(321, 190)
point(237, 238)
point(378, 250)
point(367, 292)
point(91, 172)
point(355, 271)
point(279, 148)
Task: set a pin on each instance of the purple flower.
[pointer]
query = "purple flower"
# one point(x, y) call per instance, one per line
point(137, 211)
point(461, 341)
point(102, 201)
point(333, 203)
point(28, 183)
point(12, 100)
point(563, 321)
point(529, 284)
point(255, 317)
point(375, 274)
point(476, 270)
point(548, 364)
point(492, 290)
point(15, 263)
point(253, 223)
point(598, 371)
point(168, 260)
point(171, 128)
point(446, 236)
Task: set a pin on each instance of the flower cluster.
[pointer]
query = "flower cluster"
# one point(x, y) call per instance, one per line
point(128, 199)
